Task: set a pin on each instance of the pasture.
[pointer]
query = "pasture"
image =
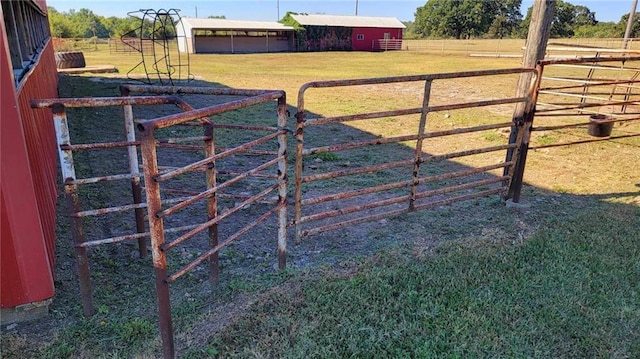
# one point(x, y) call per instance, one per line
point(555, 277)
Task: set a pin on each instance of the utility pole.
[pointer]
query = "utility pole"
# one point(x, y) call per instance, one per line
point(196, 11)
point(627, 33)
point(278, 7)
point(356, 7)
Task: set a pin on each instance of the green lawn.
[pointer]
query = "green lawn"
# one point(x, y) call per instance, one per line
point(569, 291)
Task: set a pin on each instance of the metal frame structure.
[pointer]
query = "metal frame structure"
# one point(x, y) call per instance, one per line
point(154, 179)
point(416, 194)
point(164, 61)
point(155, 176)
point(72, 183)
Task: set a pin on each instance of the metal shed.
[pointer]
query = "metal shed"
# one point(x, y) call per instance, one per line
point(357, 33)
point(233, 36)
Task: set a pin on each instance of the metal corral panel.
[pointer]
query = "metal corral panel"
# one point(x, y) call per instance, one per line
point(28, 186)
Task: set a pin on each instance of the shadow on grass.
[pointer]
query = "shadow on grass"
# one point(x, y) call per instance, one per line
point(557, 277)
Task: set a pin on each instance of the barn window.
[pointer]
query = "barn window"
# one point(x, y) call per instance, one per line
point(360, 37)
point(27, 32)
point(387, 35)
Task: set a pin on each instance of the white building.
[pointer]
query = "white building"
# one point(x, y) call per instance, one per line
point(233, 36)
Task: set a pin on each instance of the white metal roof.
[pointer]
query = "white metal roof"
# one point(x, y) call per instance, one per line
point(225, 24)
point(347, 21)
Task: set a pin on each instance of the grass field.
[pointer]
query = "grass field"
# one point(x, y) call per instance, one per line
point(558, 277)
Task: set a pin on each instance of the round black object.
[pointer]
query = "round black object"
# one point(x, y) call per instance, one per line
point(599, 127)
point(70, 60)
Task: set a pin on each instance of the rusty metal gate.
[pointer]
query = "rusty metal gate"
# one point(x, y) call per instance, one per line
point(604, 90)
point(156, 178)
point(72, 184)
point(413, 180)
point(159, 137)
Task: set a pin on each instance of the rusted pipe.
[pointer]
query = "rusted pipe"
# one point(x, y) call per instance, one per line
point(211, 191)
point(183, 117)
point(218, 218)
point(212, 159)
point(73, 206)
point(103, 101)
point(282, 183)
point(156, 230)
point(225, 243)
point(417, 154)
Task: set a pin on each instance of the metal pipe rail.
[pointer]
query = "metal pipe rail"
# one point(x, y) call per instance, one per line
point(365, 211)
point(72, 182)
point(153, 204)
point(616, 97)
point(155, 180)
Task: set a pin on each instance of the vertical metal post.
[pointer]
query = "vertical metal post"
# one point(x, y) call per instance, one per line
point(156, 229)
point(212, 202)
point(299, 163)
point(536, 46)
point(134, 169)
point(73, 206)
point(418, 151)
point(282, 181)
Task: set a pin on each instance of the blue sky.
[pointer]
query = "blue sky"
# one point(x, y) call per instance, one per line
point(267, 10)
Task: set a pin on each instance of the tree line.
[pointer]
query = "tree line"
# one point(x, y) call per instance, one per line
point(502, 19)
point(436, 19)
point(84, 23)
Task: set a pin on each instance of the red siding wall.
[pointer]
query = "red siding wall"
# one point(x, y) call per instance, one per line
point(371, 34)
point(28, 188)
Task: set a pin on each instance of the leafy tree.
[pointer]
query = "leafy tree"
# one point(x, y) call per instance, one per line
point(118, 26)
point(601, 30)
point(87, 24)
point(409, 31)
point(467, 18)
point(567, 19)
point(635, 28)
point(59, 23)
point(506, 18)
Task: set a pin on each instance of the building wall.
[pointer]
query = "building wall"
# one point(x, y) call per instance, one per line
point(27, 180)
point(324, 38)
point(241, 44)
point(369, 35)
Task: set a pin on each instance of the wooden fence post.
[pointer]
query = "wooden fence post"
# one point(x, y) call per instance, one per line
point(536, 46)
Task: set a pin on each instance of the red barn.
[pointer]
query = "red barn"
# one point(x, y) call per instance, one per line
point(28, 164)
point(355, 33)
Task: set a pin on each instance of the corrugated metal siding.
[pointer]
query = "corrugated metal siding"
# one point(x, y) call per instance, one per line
point(42, 82)
point(26, 231)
